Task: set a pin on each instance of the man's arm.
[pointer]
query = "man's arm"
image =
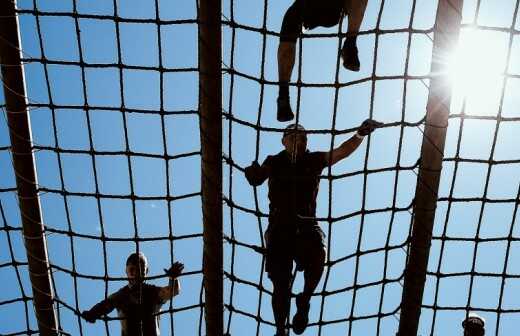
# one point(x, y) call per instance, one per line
point(102, 308)
point(168, 292)
point(349, 146)
point(256, 174)
point(344, 150)
point(173, 288)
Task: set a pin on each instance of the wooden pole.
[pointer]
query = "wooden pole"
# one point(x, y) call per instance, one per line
point(446, 32)
point(23, 165)
point(210, 108)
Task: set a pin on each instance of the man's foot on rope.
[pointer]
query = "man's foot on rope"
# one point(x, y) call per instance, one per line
point(301, 318)
point(284, 112)
point(349, 54)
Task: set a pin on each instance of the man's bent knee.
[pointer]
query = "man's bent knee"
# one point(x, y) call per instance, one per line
point(291, 24)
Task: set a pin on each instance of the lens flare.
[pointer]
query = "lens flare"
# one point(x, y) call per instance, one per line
point(476, 71)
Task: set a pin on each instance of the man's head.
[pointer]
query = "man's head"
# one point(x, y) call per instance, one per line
point(473, 325)
point(136, 267)
point(294, 139)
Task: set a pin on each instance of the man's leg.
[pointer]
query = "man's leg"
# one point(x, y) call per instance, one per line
point(286, 56)
point(314, 265)
point(291, 28)
point(355, 10)
point(278, 265)
point(312, 274)
point(280, 301)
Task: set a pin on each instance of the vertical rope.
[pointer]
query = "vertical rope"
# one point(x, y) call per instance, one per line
point(210, 105)
point(24, 167)
point(447, 26)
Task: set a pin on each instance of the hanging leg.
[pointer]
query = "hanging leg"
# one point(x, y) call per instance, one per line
point(279, 265)
point(291, 29)
point(312, 256)
point(280, 301)
point(355, 10)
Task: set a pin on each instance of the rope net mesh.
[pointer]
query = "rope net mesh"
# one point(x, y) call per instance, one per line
point(112, 90)
point(111, 154)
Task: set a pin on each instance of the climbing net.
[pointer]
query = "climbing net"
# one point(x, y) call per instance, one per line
point(113, 104)
point(114, 143)
point(365, 204)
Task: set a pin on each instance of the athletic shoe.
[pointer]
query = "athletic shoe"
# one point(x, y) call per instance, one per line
point(301, 318)
point(349, 54)
point(284, 112)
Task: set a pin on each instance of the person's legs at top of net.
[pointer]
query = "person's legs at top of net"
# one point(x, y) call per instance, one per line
point(311, 255)
point(291, 29)
point(355, 10)
point(312, 14)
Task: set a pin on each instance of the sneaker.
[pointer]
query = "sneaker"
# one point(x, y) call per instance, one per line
point(349, 54)
point(284, 112)
point(301, 318)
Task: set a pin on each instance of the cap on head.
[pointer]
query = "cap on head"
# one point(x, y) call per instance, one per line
point(136, 259)
point(474, 320)
point(293, 128)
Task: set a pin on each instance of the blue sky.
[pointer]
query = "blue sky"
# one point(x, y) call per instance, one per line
point(363, 243)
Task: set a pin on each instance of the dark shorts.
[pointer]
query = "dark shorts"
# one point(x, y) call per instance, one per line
point(310, 14)
point(283, 249)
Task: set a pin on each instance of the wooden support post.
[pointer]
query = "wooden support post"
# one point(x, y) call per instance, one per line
point(210, 108)
point(446, 32)
point(23, 165)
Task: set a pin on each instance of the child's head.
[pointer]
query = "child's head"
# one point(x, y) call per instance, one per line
point(136, 267)
point(294, 139)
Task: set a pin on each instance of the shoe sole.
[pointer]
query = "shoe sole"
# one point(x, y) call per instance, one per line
point(351, 68)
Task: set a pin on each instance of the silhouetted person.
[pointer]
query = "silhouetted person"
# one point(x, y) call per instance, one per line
point(474, 325)
point(293, 234)
point(138, 303)
point(311, 14)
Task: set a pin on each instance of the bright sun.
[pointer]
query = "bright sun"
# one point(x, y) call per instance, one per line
point(475, 70)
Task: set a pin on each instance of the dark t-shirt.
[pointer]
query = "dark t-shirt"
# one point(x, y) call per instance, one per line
point(138, 309)
point(293, 187)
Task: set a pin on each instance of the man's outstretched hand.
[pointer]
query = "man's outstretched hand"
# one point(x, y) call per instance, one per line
point(175, 270)
point(368, 126)
point(88, 316)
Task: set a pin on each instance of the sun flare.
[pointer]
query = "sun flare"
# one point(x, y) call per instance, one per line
point(475, 71)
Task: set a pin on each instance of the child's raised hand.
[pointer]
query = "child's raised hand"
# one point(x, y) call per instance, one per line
point(175, 270)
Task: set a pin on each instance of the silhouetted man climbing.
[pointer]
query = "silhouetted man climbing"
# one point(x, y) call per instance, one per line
point(293, 233)
point(473, 325)
point(138, 303)
point(311, 14)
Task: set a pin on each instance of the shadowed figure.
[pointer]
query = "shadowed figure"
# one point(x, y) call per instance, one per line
point(474, 325)
point(138, 303)
point(293, 234)
point(311, 14)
